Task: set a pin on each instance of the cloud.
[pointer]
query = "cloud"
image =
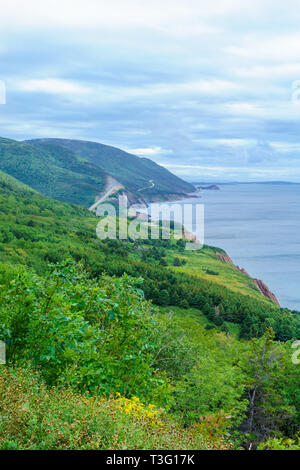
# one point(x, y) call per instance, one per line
point(274, 47)
point(289, 71)
point(204, 88)
point(262, 152)
point(150, 151)
point(53, 86)
point(248, 109)
point(116, 13)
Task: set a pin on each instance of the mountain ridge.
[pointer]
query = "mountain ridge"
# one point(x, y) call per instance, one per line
point(59, 175)
point(135, 175)
point(77, 171)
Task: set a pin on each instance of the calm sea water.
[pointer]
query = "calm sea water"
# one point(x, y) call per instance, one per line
point(258, 225)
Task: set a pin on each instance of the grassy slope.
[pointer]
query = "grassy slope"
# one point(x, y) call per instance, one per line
point(36, 230)
point(130, 170)
point(196, 318)
point(43, 418)
point(43, 228)
point(12, 184)
point(59, 223)
point(203, 262)
point(53, 171)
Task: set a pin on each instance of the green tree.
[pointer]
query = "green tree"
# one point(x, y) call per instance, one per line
point(264, 363)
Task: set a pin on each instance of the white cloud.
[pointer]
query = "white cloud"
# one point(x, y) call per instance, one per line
point(248, 109)
point(210, 87)
point(234, 173)
point(152, 76)
point(118, 13)
point(274, 47)
point(286, 146)
point(269, 71)
point(53, 86)
point(149, 151)
point(232, 142)
point(266, 110)
point(100, 93)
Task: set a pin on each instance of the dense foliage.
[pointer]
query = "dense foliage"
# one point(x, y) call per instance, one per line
point(132, 171)
point(101, 339)
point(37, 231)
point(36, 417)
point(76, 172)
point(58, 174)
point(93, 363)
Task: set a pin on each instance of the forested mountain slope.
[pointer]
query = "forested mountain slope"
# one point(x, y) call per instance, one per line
point(177, 373)
point(36, 230)
point(141, 176)
point(77, 171)
point(59, 174)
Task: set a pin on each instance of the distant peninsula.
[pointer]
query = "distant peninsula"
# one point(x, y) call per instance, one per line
point(212, 187)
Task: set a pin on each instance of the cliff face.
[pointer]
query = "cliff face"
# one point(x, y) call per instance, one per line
point(263, 288)
point(225, 258)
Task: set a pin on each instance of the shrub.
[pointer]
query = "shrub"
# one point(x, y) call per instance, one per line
point(33, 416)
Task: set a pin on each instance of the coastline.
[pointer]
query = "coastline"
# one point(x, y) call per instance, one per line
point(260, 284)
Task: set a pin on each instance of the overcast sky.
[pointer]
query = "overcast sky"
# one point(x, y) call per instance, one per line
point(207, 88)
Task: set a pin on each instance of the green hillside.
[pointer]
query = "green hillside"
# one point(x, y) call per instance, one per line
point(55, 172)
point(36, 230)
point(133, 172)
point(77, 172)
point(15, 186)
point(111, 345)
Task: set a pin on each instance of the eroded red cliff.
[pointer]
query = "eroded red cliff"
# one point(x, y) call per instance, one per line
point(263, 288)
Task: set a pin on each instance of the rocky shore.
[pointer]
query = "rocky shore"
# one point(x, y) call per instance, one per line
point(262, 287)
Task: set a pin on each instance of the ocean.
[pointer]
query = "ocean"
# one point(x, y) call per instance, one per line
point(258, 225)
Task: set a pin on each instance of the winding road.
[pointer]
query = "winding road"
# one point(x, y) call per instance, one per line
point(112, 186)
point(152, 184)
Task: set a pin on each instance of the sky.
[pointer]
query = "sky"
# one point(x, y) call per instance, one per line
point(209, 89)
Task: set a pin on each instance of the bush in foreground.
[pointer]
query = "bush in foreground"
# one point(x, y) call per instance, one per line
point(33, 416)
